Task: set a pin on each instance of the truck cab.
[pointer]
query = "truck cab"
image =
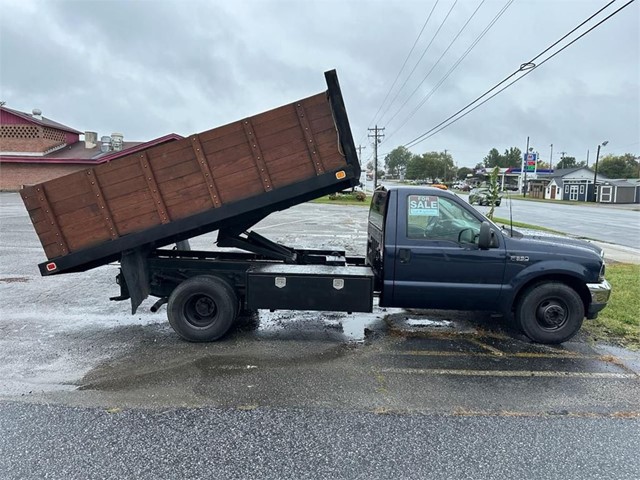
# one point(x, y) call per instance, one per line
point(429, 248)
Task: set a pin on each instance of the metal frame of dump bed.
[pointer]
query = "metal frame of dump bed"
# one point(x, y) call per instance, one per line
point(159, 272)
point(243, 212)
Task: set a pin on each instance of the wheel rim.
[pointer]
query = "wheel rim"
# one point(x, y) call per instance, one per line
point(552, 314)
point(200, 310)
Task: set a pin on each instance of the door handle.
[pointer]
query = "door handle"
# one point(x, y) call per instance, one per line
point(404, 254)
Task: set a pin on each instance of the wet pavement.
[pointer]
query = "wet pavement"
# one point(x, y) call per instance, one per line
point(65, 350)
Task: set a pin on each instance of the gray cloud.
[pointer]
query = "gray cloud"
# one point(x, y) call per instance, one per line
point(148, 68)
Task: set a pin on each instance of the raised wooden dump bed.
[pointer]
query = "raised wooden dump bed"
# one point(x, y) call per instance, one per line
point(231, 175)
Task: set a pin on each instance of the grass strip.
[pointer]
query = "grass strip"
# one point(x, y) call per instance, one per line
point(505, 222)
point(619, 322)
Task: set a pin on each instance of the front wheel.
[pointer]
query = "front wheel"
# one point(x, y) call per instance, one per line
point(550, 313)
point(202, 308)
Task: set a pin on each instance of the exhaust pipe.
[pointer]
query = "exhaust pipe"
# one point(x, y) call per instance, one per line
point(156, 306)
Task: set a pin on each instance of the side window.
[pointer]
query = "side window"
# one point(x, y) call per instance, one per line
point(377, 210)
point(566, 189)
point(430, 217)
point(581, 189)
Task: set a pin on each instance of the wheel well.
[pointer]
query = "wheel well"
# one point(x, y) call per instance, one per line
point(568, 280)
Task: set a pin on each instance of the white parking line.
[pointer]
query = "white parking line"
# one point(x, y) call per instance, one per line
point(505, 373)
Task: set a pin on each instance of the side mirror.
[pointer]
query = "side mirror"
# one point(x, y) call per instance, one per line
point(484, 241)
point(466, 236)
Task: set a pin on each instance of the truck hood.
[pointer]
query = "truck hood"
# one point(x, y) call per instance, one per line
point(556, 242)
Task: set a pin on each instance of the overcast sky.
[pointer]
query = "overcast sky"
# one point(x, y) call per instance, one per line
point(148, 68)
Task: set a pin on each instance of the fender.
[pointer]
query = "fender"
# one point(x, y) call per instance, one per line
point(542, 269)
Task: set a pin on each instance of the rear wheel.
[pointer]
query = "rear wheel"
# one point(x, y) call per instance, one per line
point(202, 309)
point(550, 313)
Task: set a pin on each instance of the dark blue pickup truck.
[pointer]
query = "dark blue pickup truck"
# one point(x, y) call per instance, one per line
point(426, 248)
point(431, 249)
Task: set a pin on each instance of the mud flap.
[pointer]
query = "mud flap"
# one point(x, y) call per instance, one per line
point(136, 276)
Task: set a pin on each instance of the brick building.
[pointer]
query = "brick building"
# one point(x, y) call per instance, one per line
point(34, 148)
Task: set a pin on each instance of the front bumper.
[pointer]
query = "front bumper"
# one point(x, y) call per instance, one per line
point(600, 293)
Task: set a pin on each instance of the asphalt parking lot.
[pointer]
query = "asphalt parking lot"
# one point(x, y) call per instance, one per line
point(64, 344)
point(64, 340)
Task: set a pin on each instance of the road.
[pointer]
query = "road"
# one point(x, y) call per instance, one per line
point(89, 391)
point(618, 225)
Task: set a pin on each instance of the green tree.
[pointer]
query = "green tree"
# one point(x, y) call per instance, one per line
point(463, 172)
point(569, 162)
point(619, 166)
point(512, 158)
point(431, 166)
point(396, 161)
point(493, 159)
point(416, 168)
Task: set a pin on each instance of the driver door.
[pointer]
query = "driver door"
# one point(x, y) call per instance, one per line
point(437, 260)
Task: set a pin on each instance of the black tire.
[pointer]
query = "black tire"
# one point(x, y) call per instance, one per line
point(550, 313)
point(202, 309)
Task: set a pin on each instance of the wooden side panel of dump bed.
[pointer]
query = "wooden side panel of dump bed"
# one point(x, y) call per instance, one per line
point(126, 203)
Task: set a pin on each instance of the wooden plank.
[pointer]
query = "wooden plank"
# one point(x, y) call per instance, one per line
point(261, 166)
point(65, 187)
point(229, 168)
point(110, 176)
point(169, 174)
point(276, 153)
point(125, 187)
point(102, 204)
point(153, 188)
point(89, 236)
point(51, 218)
point(124, 214)
point(206, 171)
point(179, 186)
point(217, 144)
point(190, 206)
point(314, 155)
point(172, 159)
point(296, 162)
point(132, 201)
point(220, 132)
point(78, 216)
point(230, 155)
point(238, 186)
point(53, 250)
point(37, 215)
point(138, 223)
point(282, 138)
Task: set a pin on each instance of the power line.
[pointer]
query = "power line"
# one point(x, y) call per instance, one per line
point(405, 62)
point(424, 79)
point(419, 60)
point(453, 67)
point(525, 67)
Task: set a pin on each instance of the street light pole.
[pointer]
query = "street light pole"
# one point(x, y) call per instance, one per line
point(595, 172)
point(551, 159)
point(524, 167)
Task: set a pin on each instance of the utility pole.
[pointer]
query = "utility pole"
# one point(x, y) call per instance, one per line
point(524, 167)
point(377, 138)
point(444, 179)
point(562, 154)
point(360, 148)
point(551, 159)
point(587, 157)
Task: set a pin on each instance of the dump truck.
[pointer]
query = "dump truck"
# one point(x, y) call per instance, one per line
point(426, 247)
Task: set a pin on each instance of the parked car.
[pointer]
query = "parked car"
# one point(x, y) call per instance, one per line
point(481, 197)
